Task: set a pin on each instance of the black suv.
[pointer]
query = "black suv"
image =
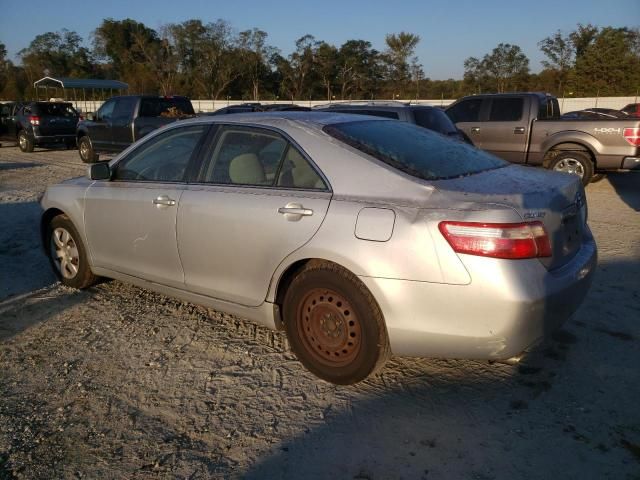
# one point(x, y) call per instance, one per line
point(425, 116)
point(258, 107)
point(39, 123)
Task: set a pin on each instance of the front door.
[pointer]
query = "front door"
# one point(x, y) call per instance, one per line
point(131, 219)
point(258, 199)
point(100, 127)
point(506, 131)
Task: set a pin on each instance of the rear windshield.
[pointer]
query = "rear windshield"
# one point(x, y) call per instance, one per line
point(435, 120)
point(165, 107)
point(56, 109)
point(414, 150)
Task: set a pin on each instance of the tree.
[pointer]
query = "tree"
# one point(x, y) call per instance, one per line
point(255, 53)
point(505, 68)
point(357, 69)
point(127, 46)
point(400, 48)
point(609, 64)
point(559, 50)
point(327, 66)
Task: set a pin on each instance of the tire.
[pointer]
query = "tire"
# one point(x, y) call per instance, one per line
point(67, 254)
point(24, 142)
point(334, 324)
point(576, 163)
point(85, 149)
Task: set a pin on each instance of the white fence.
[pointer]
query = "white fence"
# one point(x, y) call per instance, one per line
point(566, 104)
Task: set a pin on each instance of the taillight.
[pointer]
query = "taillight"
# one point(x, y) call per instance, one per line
point(632, 135)
point(34, 120)
point(498, 240)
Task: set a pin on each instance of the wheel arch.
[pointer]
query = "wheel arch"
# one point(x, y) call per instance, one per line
point(572, 145)
point(284, 279)
point(45, 219)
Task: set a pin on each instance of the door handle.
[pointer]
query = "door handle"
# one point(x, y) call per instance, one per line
point(164, 201)
point(519, 130)
point(475, 129)
point(295, 211)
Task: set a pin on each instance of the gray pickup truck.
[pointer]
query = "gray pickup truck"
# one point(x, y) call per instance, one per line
point(526, 128)
point(120, 121)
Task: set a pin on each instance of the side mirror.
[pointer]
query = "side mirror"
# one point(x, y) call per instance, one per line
point(99, 171)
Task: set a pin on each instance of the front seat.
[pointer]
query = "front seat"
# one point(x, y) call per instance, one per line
point(246, 169)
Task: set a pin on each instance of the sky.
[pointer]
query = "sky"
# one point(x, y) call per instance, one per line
point(450, 31)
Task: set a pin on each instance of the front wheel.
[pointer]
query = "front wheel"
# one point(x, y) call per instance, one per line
point(87, 154)
point(576, 163)
point(334, 325)
point(67, 254)
point(24, 142)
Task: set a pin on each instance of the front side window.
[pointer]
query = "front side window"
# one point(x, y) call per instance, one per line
point(506, 109)
point(245, 156)
point(105, 112)
point(164, 158)
point(465, 111)
point(414, 150)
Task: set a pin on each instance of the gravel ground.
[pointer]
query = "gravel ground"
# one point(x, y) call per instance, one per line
point(119, 382)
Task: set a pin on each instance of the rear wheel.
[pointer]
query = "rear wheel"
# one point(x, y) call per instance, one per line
point(86, 150)
point(24, 142)
point(67, 254)
point(334, 325)
point(576, 163)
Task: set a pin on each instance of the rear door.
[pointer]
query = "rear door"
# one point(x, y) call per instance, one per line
point(100, 127)
point(121, 122)
point(258, 198)
point(131, 220)
point(506, 130)
point(56, 119)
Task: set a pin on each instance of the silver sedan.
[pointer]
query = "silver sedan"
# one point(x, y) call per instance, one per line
point(358, 236)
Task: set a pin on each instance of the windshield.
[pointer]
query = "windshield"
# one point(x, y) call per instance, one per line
point(414, 150)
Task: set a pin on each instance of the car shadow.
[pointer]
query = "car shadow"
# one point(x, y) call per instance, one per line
point(455, 419)
point(627, 186)
point(24, 264)
point(16, 165)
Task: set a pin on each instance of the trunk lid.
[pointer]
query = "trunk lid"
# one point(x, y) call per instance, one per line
point(555, 199)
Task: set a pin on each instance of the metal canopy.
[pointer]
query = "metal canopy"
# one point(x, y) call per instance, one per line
point(81, 83)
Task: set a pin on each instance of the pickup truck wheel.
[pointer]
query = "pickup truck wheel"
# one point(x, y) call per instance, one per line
point(86, 150)
point(334, 325)
point(576, 163)
point(24, 142)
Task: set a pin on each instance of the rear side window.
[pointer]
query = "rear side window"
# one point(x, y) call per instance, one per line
point(465, 111)
point(414, 150)
point(506, 109)
point(56, 109)
point(434, 119)
point(124, 108)
point(549, 108)
point(165, 107)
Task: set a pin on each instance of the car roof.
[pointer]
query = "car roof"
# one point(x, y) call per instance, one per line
point(309, 118)
point(373, 106)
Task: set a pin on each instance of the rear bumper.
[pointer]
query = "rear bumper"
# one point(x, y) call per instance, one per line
point(505, 309)
point(631, 163)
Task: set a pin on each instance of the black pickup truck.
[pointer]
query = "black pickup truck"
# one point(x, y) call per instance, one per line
point(38, 123)
point(526, 128)
point(120, 121)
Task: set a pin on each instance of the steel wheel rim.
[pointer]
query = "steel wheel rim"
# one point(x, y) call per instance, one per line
point(64, 253)
point(22, 140)
point(329, 327)
point(570, 165)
